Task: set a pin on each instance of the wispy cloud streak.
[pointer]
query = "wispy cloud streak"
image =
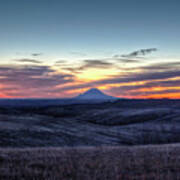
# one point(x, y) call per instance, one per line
point(141, 52)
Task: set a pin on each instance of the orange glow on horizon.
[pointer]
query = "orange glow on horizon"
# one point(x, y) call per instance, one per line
point(78, 85)
point(161, 96)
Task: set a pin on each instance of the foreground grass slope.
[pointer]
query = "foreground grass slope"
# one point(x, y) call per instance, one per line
point(161, 162)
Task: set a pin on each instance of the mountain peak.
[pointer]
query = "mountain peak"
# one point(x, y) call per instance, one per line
point(94, 94)
point(93, 91)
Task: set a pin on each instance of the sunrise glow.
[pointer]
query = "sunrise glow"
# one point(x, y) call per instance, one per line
point(58, 50)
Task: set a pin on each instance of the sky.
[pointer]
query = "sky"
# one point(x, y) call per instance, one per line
point(60, 48)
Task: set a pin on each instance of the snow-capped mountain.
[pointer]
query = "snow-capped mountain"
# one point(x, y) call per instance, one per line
point(94, 94)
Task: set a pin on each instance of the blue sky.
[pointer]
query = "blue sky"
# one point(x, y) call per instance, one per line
point(59, 48)
point(96, 28)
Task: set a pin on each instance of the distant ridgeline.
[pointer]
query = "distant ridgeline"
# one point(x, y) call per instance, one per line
point(91, 96)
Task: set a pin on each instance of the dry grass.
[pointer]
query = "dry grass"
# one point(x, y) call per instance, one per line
point(90, 163)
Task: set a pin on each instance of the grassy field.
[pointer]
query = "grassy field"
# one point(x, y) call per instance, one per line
point(161, 162)
point(125, 122)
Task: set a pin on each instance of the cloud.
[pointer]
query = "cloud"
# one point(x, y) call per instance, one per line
point(72, 70)
point(26, 60)
point(36, 54)
point(128, 60)
point(152, 75)
point(31, 79)
point(148, 85)
point(154, 67)
point(103, 63)
point(162, 92)
point(133, 57)
point(96, 63)
point(61, 61)
point(86, 64)
point(131, 78)
point(162, 66)
point(141, 52)
point(118, 91)
point(141, 76)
